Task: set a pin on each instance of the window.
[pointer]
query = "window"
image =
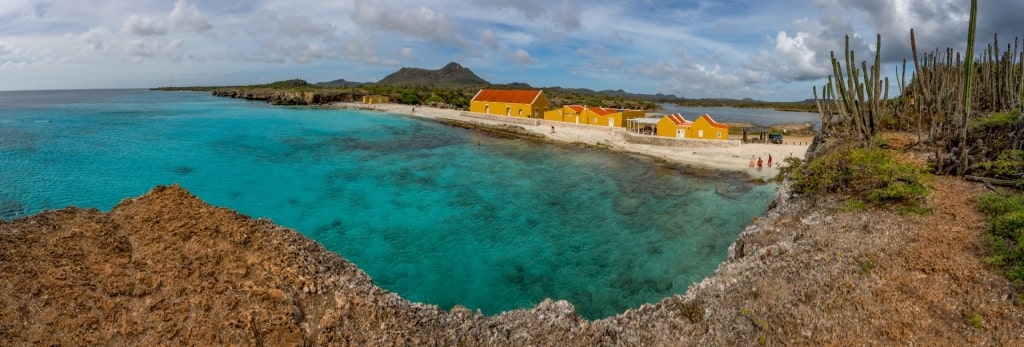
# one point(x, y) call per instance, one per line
point(719, 134)
point(700, 133)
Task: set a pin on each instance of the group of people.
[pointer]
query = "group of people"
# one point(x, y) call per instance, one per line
point(760, 163)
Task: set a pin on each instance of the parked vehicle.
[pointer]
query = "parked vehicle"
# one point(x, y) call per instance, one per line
point(775, 138)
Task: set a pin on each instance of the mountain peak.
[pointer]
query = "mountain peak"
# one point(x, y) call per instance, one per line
point(452, 66)
point(451, 75)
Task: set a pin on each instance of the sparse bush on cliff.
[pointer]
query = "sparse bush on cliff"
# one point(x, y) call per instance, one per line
point(1005, 235)
point(871, 175)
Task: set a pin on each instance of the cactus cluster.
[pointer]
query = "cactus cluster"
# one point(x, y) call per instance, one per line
point(854, 104)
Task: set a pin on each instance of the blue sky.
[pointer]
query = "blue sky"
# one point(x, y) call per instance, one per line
point(767, 50)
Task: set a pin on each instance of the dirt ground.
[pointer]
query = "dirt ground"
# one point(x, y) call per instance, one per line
point(168, 269)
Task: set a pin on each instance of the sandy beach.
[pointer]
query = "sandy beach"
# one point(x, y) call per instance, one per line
point(721, 158)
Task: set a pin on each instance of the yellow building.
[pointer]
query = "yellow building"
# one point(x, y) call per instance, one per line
point(702, 128)
point(511, 103)
point(375, 99)
point(592, 115)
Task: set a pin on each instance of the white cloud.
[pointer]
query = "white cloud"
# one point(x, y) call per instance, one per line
point(138, 50)
point(489, 39)
point(97, 39)
point(793, 59)
point(415, 21)
point(568, 15)
point(407, 53)
point(531, 9)
point(6, 49)
point(521, 57)
point(143, 26)
point(295, 26)
point(186, 16)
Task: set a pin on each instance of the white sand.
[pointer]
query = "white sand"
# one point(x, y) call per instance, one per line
point(731, 158)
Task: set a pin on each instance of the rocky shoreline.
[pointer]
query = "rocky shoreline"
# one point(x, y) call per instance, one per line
point(287, 97)
point(168, 267)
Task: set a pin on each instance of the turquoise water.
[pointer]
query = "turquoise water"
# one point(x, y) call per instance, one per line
point(437, 214)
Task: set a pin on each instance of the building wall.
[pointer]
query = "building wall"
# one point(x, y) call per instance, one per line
point(375, 99)
point(667, 128)
point(676, 142)
point(702, 129)
point(535, 110)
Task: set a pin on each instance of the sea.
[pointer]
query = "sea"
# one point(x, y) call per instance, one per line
point(437, 214)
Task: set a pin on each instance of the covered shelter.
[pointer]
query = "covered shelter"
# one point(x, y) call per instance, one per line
point(643, 125)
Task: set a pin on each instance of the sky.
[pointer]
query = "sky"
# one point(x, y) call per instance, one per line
point(764, 50)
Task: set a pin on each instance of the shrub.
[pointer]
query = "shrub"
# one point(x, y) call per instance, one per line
point(1005, 215)
point(871, 175)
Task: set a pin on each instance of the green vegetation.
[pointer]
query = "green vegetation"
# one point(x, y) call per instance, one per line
point(871, 176)
point(1005, 235)
point(864, 265)
point(975, 321)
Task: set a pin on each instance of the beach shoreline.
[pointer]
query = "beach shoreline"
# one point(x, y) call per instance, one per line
point(734, 159)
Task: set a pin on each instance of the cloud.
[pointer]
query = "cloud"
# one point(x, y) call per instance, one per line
point(138, 50)
point(407, 53)
point(489, 39)
point(295, 26)
point(6, 49)
point(142, 26)
point(186, 16)
point(531, 9)
point(793, 59)
point(521, 57)
point(566, 13)
point(96, 39)
point(417, 21)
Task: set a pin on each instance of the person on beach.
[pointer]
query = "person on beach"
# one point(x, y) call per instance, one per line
point(752, 161)
point(769, 160)
point(759, 164)
point(552, 129)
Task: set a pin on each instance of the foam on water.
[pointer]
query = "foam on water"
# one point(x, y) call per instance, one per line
point(434, 213)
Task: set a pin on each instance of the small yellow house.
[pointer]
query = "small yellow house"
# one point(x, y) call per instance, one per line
point(702, 128)
point(592, 115)
point(375, 99)
point(510, 103)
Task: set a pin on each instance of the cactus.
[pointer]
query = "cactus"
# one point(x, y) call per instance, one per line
point(968, 72)
point(859, 105)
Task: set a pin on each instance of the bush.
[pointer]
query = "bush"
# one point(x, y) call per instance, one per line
point(1005, 234)
point(870, 175)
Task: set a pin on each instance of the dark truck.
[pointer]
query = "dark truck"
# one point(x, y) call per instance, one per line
point(775, 138)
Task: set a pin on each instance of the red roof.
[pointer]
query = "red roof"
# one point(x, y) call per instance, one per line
point(678, 120)
point(603, 111)
point(713, 122)
point(509, 96)
point(596, 109)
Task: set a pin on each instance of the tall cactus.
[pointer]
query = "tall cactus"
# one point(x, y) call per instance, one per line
point(859, 104)
point(968, 72)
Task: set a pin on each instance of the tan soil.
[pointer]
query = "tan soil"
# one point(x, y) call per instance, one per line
point(168, 269)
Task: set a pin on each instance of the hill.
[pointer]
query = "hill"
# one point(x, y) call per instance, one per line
point(340, 83)
point(452, 75)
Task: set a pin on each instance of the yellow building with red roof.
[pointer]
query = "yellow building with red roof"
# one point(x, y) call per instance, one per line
point(702, 128)
point(511, 103)
point(592, 115)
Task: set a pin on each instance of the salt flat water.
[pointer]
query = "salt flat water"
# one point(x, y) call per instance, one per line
point(437, 214)
point(756, 116)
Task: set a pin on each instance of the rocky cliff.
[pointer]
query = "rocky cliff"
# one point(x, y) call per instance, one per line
point(288, 97)
point(167, 268)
